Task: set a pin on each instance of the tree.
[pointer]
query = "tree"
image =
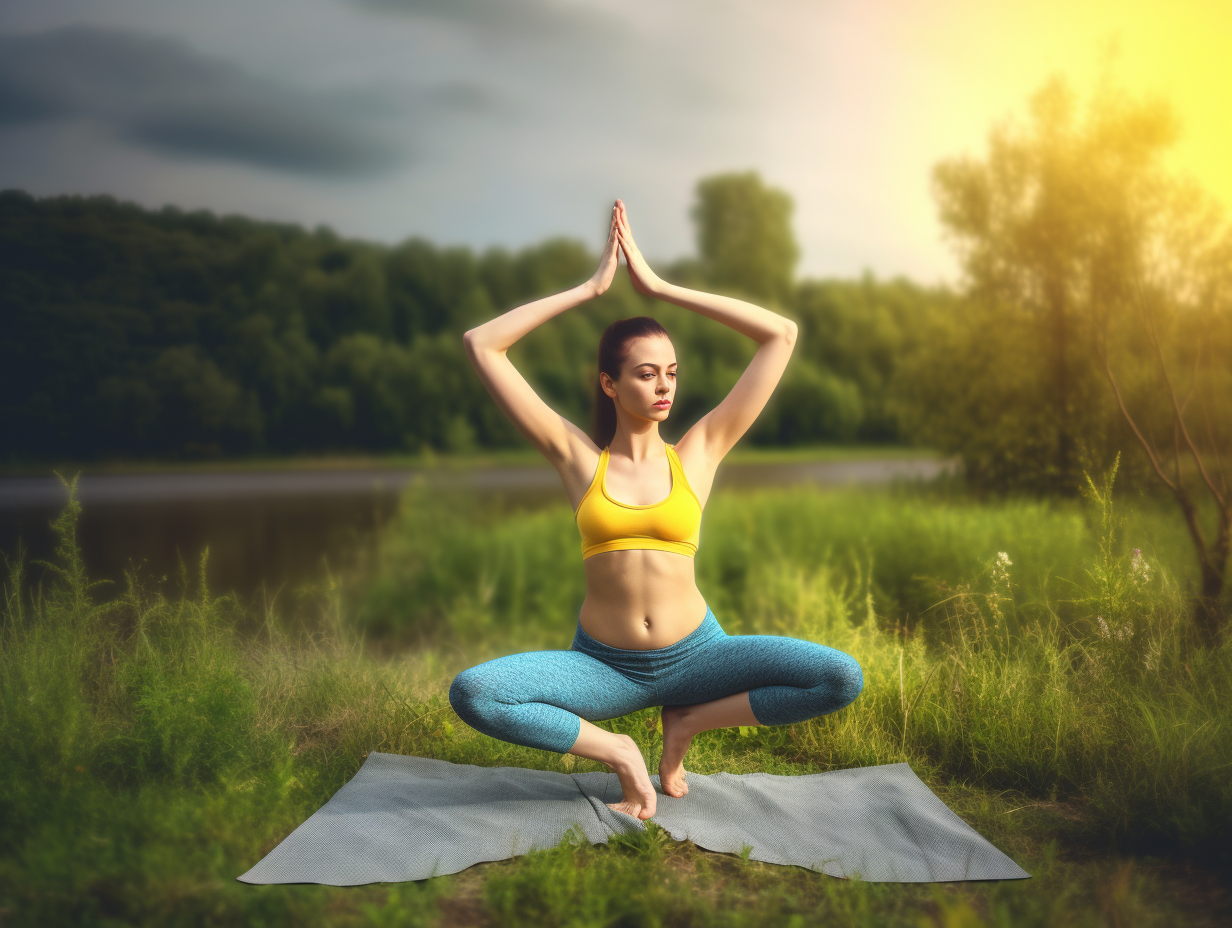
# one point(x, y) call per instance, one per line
point(1088, 265)
point(745, 237)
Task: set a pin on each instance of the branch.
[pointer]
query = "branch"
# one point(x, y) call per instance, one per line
point(1183, 500)
point(1206, 419)
point(1176, 408)
point(1146, 445)
point(1176, 451)
point(1193, 381)
point(1210, 437)
point(1178, 490)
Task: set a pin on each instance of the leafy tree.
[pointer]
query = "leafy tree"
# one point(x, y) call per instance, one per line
point(1089, 267)
point(859, 331)
point(810, 405)
point(745, 236)
point(137, 333)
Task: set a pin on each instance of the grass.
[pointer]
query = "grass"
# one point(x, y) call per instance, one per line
point(153, 748)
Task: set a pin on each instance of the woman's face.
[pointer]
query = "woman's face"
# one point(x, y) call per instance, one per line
point(647, 385)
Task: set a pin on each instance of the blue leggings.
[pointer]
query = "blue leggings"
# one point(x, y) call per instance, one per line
point(539, 698)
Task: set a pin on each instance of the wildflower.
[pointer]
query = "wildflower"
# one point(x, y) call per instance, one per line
point(1000, 578)
point(1139, 569)
point(1120, 632)
point(1000, 569)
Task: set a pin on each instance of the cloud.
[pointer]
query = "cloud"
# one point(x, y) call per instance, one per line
point(162, 94)
point(542, 19)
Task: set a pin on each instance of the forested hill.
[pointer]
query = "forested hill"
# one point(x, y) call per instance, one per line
point(133, 333)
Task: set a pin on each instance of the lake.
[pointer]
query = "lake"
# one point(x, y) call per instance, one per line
point(286, 528)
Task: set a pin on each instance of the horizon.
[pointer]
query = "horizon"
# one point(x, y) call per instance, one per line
point(325, 228)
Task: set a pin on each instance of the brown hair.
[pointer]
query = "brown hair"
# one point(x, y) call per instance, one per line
point(613, 352)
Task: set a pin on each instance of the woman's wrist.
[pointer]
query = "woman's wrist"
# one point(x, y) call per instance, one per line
point(659, 288)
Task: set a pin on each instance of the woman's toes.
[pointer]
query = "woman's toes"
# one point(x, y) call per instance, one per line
point(674, 786)
point(635, 809)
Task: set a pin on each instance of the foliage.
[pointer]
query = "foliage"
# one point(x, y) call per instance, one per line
point(744, 236)
point(1097, 317)
point(135, 333)
point(1053, 229)
point(858, 333)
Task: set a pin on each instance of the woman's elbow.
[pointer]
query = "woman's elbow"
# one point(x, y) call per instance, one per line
point(473, 342)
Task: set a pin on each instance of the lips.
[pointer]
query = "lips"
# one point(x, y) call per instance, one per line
point(663, 405)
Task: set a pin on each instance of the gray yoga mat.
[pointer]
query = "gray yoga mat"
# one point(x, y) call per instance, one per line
point(409, 818)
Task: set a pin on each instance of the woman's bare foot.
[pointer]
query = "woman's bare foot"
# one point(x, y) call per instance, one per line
point(676, 741)
point(630, 769)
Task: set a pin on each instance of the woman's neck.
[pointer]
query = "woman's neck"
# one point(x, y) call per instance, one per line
point(639, 446)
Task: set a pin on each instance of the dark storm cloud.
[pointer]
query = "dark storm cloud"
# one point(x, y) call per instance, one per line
point(162, 94)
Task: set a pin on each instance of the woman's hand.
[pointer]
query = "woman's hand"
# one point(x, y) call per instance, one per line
point(606, 271)
point(644, 279)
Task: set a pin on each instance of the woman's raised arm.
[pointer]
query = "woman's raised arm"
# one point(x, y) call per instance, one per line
point(487, 346)
point(719, 430)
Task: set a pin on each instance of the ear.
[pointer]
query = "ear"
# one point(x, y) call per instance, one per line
point(605, 381)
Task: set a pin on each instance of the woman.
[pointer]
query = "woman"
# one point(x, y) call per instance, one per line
point(645, 635)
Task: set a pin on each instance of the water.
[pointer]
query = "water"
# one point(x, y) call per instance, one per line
point(277, 529)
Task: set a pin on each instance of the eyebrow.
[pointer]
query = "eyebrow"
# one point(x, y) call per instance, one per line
point(651, 364)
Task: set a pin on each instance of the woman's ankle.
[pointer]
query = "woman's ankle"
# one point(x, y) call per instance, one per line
point(608, 748)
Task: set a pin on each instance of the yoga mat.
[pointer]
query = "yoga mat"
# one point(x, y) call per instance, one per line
point(409, 818)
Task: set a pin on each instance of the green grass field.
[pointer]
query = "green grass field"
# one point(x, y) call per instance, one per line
point(153, 748)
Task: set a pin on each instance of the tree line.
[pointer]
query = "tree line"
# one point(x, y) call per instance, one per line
point(132, 333)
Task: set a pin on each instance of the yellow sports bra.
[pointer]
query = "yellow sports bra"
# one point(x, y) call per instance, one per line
point(672, 524)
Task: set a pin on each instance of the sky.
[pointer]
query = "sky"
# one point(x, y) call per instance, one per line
point(506, 122)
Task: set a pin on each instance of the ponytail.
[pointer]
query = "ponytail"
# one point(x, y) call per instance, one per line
point(613, 352)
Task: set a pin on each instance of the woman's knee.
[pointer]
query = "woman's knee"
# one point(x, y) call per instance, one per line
point(846, 679)
point(833, 677)
point(471, 695)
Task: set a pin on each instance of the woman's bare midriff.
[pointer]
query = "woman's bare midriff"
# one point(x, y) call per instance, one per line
point(640, 599)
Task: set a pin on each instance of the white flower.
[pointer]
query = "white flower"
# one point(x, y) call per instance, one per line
point(1139, 569)
point(1000, 569)
point(1120, 632)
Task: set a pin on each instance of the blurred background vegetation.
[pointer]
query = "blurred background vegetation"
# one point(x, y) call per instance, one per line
point(134, 333)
